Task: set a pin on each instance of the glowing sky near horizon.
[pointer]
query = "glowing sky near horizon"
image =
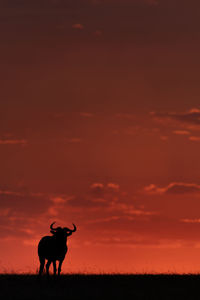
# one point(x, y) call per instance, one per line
point(100, 126)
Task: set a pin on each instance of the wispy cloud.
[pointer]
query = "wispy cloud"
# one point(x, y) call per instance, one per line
point(98, 33)
point(99, 189)
point(181, 132)
point(113, 186)
point(190, 221)
point(74, 140)
point(13, 142)
point(78, 26)
point(194, 138)
point(86, 114)
point(12, 193)
point(188, 120)
point(173, 188)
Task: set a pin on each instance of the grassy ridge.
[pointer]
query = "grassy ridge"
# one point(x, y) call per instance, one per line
point(100, 287)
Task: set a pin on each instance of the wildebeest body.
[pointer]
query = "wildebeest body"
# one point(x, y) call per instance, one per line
point(51, 248)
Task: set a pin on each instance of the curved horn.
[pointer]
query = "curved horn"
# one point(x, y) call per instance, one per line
point(51, 226)
point(71, 230)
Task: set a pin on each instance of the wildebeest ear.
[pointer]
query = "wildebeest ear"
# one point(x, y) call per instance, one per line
point(53, 232)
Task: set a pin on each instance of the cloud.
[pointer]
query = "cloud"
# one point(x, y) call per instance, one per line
point(78, 26)
point(97, 188)
point(27, 215)
point(58, 200)
point(105, 187)
point(113, 186)
point(125, 209)
point(194, 138)
point(98, 33)
point(100, 190)
point(113, 215)
point(13, 142)
point(109, 204)
point(179, 123)
point(12, 193)
point(80, 202)
point(57, 204)
point(24, 202)
point(152, 229)
point(181, 132)
point(24, 213)
point(86, 114)
point(173, 188)
point(98, 196)
point(189, 119)
point(190, 220)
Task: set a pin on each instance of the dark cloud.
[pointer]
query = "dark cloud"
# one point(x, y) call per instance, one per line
point(154, 228)
point(24, 202)
point(174, 188)
point(187, 119)
point(99, 195)
point(99, 189)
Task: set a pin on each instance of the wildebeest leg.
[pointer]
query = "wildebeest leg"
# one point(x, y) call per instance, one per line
point(59, 267)
point(42, 262)
point(54, 267)
point(47, 266)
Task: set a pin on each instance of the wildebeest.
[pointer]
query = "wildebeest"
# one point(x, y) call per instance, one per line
point(54, 248)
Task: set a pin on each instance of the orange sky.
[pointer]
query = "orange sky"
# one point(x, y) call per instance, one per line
point(100, 126)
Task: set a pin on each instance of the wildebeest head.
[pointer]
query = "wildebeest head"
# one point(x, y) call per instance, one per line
point(59, 231)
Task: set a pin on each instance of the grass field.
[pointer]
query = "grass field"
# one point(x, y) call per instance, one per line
point(100, 287)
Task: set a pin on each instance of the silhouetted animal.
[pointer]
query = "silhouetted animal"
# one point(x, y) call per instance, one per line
point(54, 248)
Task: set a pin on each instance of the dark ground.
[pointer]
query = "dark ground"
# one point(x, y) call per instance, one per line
point(100, 287)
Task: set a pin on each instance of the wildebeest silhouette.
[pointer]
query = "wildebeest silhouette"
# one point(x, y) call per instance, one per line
point(54, 248)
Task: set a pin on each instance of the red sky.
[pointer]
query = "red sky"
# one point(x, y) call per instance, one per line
point(100, 126)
